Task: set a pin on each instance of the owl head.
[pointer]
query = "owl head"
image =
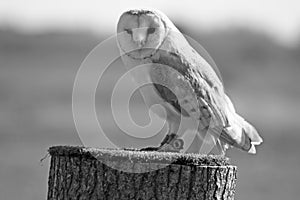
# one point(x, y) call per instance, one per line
point(141, 32)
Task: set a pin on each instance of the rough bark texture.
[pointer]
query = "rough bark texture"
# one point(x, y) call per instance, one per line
point(81, 175)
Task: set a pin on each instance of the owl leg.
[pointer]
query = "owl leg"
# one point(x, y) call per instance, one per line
point(171, 142)
point(220, 147)
point(212, 145)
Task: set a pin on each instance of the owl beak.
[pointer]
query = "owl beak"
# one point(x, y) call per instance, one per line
point(139, 38)
point(140, 42)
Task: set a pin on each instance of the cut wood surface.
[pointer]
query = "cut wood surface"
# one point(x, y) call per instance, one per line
point(88, 173)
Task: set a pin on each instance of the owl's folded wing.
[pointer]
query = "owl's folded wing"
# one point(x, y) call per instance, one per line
point(196, 91)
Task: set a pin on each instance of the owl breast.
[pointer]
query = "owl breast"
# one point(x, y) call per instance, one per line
point(174, 89)
point(142, 77)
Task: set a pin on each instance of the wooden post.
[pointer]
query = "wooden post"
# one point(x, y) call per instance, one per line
point(92, 174)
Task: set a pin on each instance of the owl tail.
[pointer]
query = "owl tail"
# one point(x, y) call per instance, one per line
point(242, 135)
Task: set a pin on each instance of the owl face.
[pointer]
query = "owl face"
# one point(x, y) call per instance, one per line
point(140, 33)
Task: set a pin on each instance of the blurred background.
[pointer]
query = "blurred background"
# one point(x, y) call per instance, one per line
point(255, 44)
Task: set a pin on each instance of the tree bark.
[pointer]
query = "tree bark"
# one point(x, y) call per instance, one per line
point(77, 173)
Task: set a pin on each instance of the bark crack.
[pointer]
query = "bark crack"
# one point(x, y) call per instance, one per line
point(178, 182)
point(207, 183)
point(95, 175)
point(225, 186)
point(155, 185)
point(78, 193)
point(192, 179)
point(104, 181)
point(216, 183)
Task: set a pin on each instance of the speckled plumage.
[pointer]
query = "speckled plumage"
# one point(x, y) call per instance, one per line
point(193, 88)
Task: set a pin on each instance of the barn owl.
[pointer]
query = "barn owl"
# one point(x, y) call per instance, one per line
point(188, 88)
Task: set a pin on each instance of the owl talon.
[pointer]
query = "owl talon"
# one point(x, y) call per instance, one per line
point(168, 138)
point(178, 144)
point(170, 143)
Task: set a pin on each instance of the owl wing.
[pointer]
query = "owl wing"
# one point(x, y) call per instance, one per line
point(196, 91)
point(186, 90)
point(169, 96)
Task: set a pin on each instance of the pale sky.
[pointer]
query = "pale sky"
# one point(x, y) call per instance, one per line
point(280, 18)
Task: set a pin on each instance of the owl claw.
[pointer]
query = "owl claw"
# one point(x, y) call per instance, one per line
point(170, 143)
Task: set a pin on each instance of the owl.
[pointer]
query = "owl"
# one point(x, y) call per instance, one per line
point(182, 81)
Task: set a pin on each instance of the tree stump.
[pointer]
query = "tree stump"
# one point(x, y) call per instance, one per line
point(90, 174)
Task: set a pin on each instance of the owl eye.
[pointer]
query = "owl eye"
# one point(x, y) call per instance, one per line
point(129, 31)
point(150, 30)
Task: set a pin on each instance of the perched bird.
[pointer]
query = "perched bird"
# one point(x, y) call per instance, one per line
point(188, 88)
